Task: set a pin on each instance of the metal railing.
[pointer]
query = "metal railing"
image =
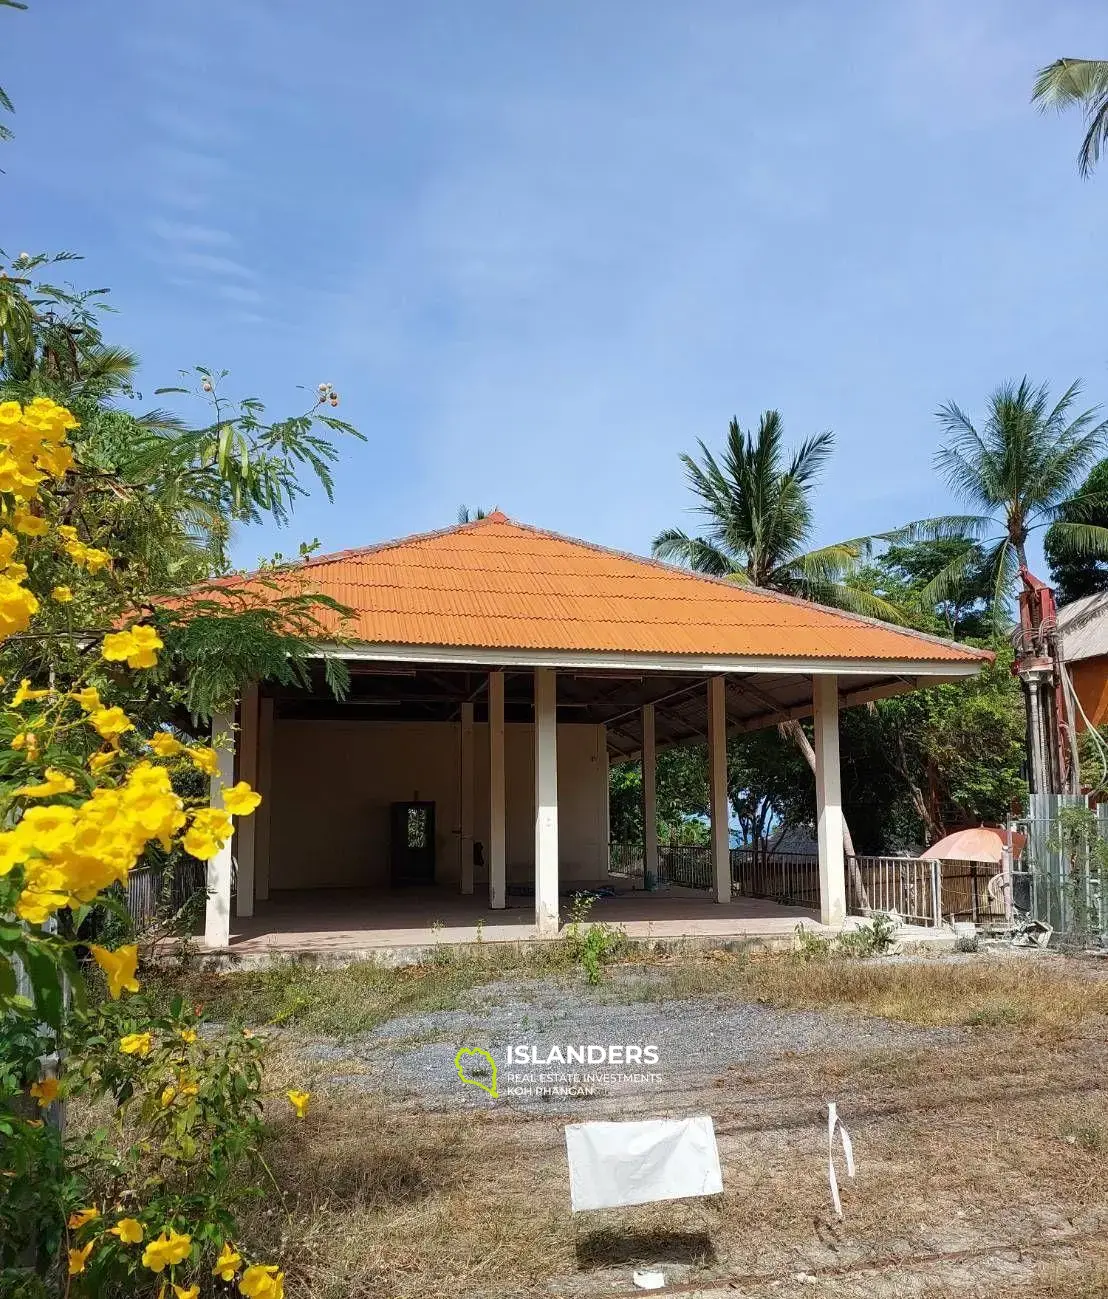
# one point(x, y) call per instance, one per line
point(626, 859)
point(790, 878)
point(161, 889)
point(688, 865)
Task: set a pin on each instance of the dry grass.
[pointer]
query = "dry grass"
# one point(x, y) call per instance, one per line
point(962, 1149)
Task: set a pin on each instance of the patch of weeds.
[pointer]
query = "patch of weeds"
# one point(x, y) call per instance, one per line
point(1000, 1014)
point(967, 943)
point(1086, 1136)
point(808, 946)
point(591, 945)
point(873, 937)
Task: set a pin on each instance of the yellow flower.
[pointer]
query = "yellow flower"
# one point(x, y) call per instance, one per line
point(110, 723)
point(25, 692)
point(45, 1092)
point(166, 745)
point(168, 1095)
point(117, 645)
point(137, 1044)
point(31, 525)
point(95, 560)
point(17, 605)
point(56, 782)
point(99, 761)
point(228, 1262)
point(79, 1257)
point(167, 1250)
point(13, 850)
point(62, 594)
point(129, 1230)
point(189, 1292)
point(80, 1217)
point(88, 698)
point(240, 799)
point(26, 740)
point(299, 1102)
point(138, 646)
point(209, 831)
point(188, 1035)
point(119, 966)
point(260, 1282)
point(10, 412)
point(205, 760)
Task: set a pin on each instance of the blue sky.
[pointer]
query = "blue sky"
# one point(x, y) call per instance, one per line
point(541, 248)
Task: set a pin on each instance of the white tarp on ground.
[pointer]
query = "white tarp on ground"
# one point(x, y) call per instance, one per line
point(616, 1164)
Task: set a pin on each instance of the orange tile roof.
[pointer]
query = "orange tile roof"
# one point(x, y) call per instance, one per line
point(498, 584)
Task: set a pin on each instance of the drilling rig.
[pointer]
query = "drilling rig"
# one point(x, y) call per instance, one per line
point(1052, 757)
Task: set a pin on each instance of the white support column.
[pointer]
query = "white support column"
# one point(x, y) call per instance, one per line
point(649, 799)
point(265, 788)
point(465, 799)
point(829, 810)
point(498, 874)
point(246, 828)
point(217, 913)
point(717, 788)
point(546, 802)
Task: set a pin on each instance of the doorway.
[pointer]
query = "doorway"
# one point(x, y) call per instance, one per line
point(413, 844)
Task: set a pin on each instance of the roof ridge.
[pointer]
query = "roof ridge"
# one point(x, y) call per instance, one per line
point(399, 543)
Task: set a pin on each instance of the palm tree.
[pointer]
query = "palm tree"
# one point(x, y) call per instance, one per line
point(467, 515)
point(759, 518)
point(1067, 82)
point(758, 510)
point(1019, 472)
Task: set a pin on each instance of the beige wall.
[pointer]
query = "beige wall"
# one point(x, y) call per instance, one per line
point(333, 783)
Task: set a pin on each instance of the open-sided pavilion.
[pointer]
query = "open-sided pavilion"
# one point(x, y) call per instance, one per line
point(496, 671)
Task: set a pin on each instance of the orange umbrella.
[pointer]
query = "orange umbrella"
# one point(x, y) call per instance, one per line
point(979, 843)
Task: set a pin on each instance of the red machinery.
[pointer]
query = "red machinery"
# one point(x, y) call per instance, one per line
point(1053, 766)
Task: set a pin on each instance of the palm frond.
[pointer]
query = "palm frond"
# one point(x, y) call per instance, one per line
point(1077, 539)
point(678, 547)
point(1068, 82)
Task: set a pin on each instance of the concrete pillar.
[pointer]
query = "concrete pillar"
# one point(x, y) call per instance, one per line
point(546, 802)
point(717, 788)
point(217, 913)
point(829, 810)
point(649, 799)
point(265, 808)
point(465, 799)
point(246, 828)
point(498, 882)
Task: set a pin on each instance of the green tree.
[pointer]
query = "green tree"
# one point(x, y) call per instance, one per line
point(1018, 471)
point(904, 570)
point(757, 504)
point(1068, 83)
point(1080, 574)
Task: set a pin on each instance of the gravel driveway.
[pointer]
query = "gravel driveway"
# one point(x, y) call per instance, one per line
point(698, 1039)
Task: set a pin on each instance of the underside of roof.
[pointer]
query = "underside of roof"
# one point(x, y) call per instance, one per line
point(403, 692)
point(496, 585)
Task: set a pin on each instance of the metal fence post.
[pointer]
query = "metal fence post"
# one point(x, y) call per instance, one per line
point(937, 894)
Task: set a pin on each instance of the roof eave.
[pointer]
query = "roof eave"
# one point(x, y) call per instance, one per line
point(620, 660)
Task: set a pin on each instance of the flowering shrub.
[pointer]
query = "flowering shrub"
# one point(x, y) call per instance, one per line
point(82, 796)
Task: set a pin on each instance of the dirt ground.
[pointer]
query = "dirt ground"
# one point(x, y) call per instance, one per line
point(976, 1094)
